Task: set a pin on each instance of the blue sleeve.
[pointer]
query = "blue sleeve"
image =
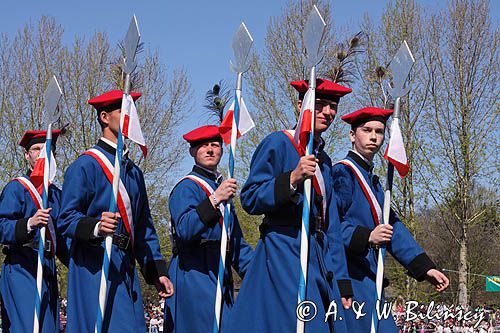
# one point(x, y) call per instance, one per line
point(191, 212)
point(13, 223)
point(338, 256)
point(406, 250)
point(242, 252)
point(63, 244)
point(355, 237)
point(77, 194)
point(146, 244)
point(268, 185)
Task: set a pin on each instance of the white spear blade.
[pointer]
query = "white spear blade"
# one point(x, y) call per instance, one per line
point(313, 34)
point(400, 68)
point(242, 44)
point(130, 43)
point(53, 95)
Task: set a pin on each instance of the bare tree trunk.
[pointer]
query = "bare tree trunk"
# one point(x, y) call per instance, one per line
point(463, 295)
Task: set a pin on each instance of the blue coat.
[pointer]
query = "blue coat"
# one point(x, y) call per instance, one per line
point(195, 262)
point(86, 194)
point(268, 297)
point(357, 223)
point(18, 281)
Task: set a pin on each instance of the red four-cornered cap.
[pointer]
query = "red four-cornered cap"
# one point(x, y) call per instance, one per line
point(324, 87)
point(202, 134)
point(110, 98)
point(367, 114)
point(31, 137)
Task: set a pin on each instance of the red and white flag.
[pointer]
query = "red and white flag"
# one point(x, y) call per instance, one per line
point(395, 152)
point(130, 125)
point(245, 122)
point(305, 125)
point(39, 170)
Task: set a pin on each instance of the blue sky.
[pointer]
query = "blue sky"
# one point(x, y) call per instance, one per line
point(194, 35)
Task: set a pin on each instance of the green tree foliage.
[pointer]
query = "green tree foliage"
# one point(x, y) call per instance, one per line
point(448, 124)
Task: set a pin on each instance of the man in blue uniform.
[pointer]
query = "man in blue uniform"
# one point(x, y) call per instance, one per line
point(85, 219)
point(354, 183)
point(267, 301)
point(196, 209)
point(21, 216)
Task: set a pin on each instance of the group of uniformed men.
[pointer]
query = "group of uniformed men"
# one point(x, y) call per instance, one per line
point(343, 243)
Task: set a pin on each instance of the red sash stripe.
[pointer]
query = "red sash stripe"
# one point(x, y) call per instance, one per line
point(366, 191)
point(119, 203)
point(37, 202)
point(207, 192)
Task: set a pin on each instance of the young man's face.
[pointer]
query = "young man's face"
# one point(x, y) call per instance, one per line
point(207, 154)
point(368, 138)
point(112, 120)
point(32, 154)
point(325, 109)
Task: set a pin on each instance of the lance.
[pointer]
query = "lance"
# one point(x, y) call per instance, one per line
point(313, 34)
point(51, 115)
point(130, 63)
point(400, 67)
point(242, 43)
